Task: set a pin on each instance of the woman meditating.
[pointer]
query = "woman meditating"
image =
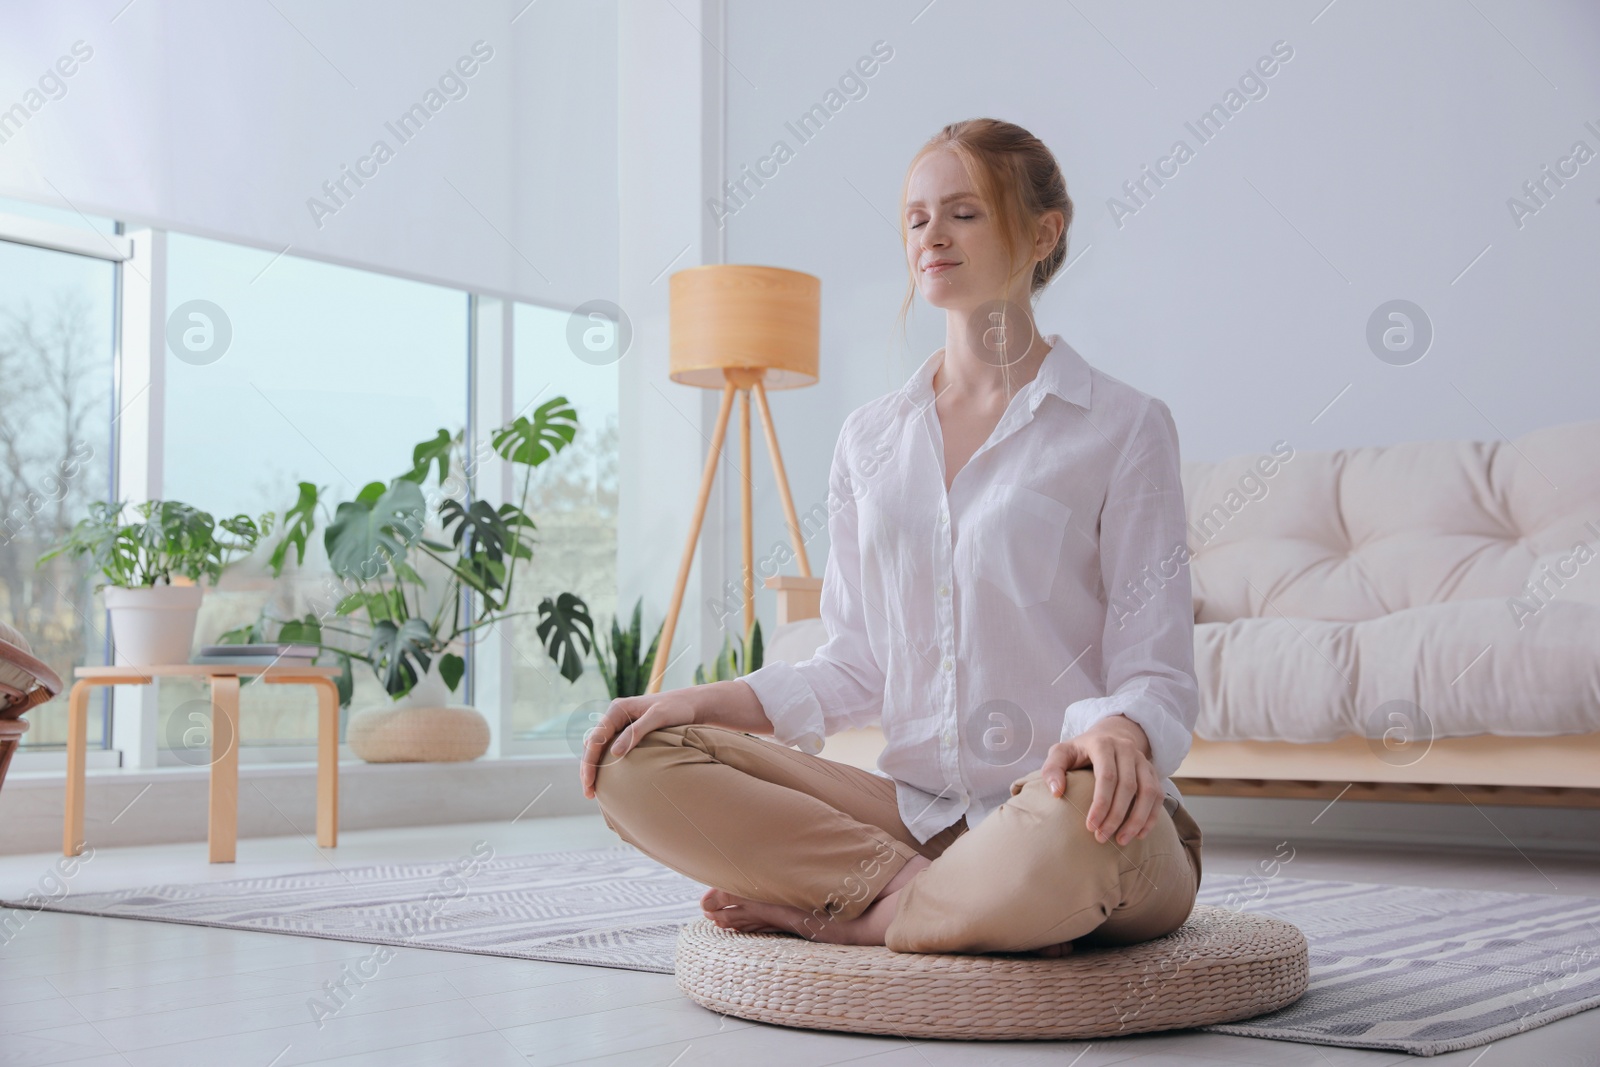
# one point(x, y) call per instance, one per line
point(1006, 592)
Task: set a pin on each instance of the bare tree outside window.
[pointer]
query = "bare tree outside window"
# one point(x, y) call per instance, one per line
point(55, 380)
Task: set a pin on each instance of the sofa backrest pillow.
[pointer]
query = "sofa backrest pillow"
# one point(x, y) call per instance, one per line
point(1357, 533)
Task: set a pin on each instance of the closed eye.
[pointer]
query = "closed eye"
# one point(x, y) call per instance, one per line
point(919, 225)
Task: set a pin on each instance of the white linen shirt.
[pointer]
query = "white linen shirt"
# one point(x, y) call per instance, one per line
point(1048, 589)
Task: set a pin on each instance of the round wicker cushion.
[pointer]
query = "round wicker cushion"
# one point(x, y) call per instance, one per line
point(1220, 966)
point(418, 735)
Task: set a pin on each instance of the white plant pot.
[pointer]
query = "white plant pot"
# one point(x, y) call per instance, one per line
point(421, 727)
point(153, 626)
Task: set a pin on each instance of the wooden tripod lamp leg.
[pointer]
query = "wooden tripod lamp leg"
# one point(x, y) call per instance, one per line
point(664, 651)
point(783, 479)
point(746, 518)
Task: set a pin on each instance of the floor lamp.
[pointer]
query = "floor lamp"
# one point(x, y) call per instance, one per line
point(741, 329)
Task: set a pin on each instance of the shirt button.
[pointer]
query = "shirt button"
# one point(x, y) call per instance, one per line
point(944, 590)
point(948, 665)
point(949, 737)
point(943, 518)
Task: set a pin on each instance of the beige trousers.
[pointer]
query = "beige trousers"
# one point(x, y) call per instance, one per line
point(768, 822)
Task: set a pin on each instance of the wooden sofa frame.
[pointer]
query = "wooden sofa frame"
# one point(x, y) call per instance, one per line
point(1559, 771)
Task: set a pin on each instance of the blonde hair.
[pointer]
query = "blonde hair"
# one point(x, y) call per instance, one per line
point(1017, 178)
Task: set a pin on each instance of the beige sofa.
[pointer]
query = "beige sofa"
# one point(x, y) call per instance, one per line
point(1417, 621)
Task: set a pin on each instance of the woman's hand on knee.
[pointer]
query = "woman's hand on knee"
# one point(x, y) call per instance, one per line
point(627, 720)
point(1127, 790)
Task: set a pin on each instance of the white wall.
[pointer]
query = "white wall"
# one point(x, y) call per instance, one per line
point(226, 120)
point(669, 137)
point(1377, 166)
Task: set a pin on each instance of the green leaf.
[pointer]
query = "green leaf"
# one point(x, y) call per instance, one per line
point(298, 523)
point(628, 657)
point(613, 663)
point(625, 673)
point(370, 493)
point(248, 634)
point(554, 424)
point(606, 672)
point(476, 530)
point(351, 604)
point(451, 669)
point(366, 535)
point(400, 653)
point(647, 665)
point(563, 624)
point(405, 572)
point(435, 450)
point(306, 631)
point(345, 680)
point(485, 540)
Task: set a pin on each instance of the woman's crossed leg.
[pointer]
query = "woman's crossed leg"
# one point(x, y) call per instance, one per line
point(801, 844)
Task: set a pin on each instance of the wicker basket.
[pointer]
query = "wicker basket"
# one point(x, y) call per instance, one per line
point(1220, 966)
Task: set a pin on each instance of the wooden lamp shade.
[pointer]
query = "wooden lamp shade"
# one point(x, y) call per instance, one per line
point(728, 316)
point(742, 329)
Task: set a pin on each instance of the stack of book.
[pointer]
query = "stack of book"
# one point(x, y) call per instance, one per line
point(256, 655)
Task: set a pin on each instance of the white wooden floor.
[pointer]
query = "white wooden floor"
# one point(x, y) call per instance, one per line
point(92, 991)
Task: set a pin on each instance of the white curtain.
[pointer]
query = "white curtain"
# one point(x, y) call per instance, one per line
point(471, 144)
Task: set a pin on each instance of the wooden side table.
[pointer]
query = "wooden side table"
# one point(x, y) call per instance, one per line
point(223, 811)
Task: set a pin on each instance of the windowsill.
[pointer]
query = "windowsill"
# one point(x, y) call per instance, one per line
point(248, 768)
point(54, 761)
point(141, 806)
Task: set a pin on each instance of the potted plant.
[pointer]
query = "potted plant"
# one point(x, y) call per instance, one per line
point(730, 662)
point(626, 674)
point(153, 566)
point(406, 604)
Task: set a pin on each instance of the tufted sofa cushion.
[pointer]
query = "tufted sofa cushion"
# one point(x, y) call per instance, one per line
point(1450, 585)
point(1358, 533)
point(1440, 670)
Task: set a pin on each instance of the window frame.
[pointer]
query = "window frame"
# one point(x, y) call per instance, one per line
point(139, 393)
point(117, 250)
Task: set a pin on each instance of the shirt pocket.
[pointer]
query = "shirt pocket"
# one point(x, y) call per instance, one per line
point(1018, 542)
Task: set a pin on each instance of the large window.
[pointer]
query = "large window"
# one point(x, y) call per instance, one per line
point(56, 364)
point(297, 371)
point(274, 370)
point(574, 501)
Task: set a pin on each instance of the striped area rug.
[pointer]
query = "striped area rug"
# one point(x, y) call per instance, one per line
point(1418, 970)
point(1422, 970)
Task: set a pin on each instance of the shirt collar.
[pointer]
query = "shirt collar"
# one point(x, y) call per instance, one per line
point(1063, 372)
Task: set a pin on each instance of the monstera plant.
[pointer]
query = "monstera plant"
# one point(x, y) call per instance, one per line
point(416, 570)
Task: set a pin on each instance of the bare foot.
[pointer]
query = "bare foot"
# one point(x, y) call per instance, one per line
point(733, 912)
point(1053, 951)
